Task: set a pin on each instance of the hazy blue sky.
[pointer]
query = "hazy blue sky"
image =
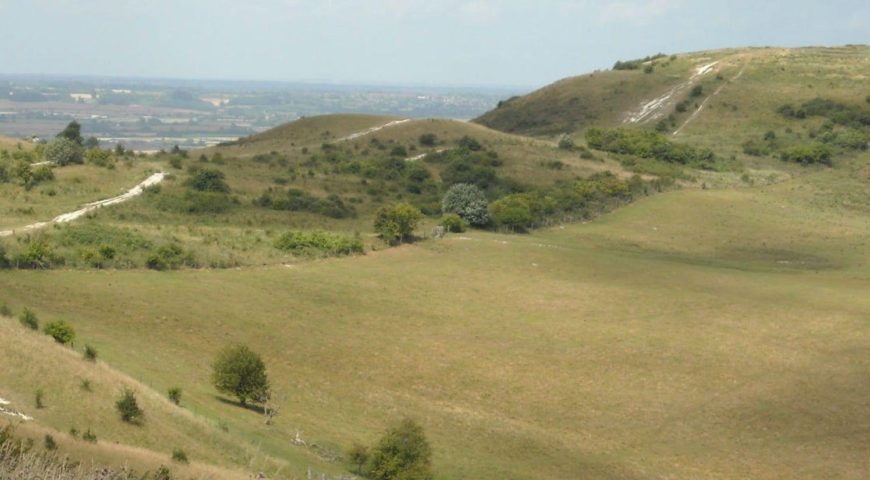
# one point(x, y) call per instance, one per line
point(463, 42)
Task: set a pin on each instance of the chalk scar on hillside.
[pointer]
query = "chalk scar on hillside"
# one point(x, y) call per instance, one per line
point(10, 412)
point(371, 130)
point(653, 108)
point(425, 154)
point(716, 92)
point(89, 207)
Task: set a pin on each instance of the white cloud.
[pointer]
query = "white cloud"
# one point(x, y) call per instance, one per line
point(636, 11)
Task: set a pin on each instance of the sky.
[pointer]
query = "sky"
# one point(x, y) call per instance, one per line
point(509, 43)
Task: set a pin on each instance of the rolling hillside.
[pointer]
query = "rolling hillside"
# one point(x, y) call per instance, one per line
point(704, 317)
point(751, 84)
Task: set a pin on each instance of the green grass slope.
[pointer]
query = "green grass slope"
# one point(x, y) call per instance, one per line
point(34, 362)
point(698, 333)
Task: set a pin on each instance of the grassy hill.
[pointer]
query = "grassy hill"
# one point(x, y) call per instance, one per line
point(753, 82)
point(710, 324)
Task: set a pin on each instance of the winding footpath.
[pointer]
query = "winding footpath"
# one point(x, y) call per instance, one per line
point(89, 207)
point(368, 131)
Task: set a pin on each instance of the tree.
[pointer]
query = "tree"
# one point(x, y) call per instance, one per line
point(60, 331)
point(128, 407)
point(396, 223)
point(467, 201)
point(73, 132)
point(208, 180)
point(358, 455)
point(63, 151)
point(239, 371)
point(92, 143)
point(513, 212)
point(428, 139)
point(403, 453)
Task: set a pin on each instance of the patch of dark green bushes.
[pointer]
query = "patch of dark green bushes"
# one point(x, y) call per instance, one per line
point(318, 243)
point(648, 144)
point(296, 200)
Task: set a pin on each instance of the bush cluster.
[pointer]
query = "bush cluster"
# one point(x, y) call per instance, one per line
point(578, 199)
point(296, 200)
point(635, 64)
point(318, 243)
point(807, 154)
point(647, 144)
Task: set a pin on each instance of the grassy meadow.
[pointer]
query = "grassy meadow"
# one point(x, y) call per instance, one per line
point(699, 333)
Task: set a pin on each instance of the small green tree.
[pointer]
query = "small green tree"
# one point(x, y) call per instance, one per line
point(239, 371)
point(90, 353)
point(175, 395)
point(397, 223)
point(208, 180)
point(60, 331)
point(452, 223)
point(128, 408)
point(63, 151)
point(72, 132)
point(428, 139)
point(358, 455)
point(402, 453)
point(468, 201)
point(513, 212)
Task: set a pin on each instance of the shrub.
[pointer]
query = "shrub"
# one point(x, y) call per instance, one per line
point(63, 151)
point(169, 257)
point(28, 319)
point(399, 151)
point(88, 436)
point(452, 223)
point(85, 385)
point(397, 222)
point(513, 212)
point(37, 255)
point(428, 139)
point(566, 143)
point(208, 180)
point(39, 396)
point(239, 371)
point(60, 331)
point(128, 408)
point(90, 353)
point(467, 201)
point(807, 154)
point(318, 242)
point(175, 395)
point(179, 456)
point(5, 311)
point(402, 453)
point(469, 143)
point(98, 157)
point(49, 443)
point(162, 473)
point(696, 91)
point(196, 202)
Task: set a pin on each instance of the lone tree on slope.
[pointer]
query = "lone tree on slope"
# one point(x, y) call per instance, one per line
point(240, 372)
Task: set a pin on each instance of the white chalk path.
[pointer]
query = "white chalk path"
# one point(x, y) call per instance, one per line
point(369, 131)
point(653, 108)
point(10, 412)
point(424, 155)
point(716, 92)
point(89, 207)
